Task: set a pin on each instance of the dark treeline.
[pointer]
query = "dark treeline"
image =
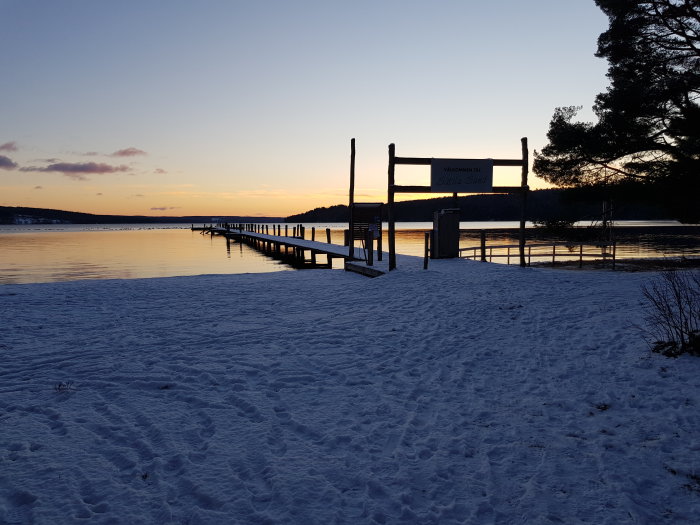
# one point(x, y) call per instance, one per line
point(579, 204)
point(542, 205)
point(15, 215)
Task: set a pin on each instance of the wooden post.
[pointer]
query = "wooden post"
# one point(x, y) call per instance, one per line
point(524, 189)
point(390, 208)
point(369, 246)
point(483, 245)
point(554, 253)
point(328, 235)
point(313, 233)
point(580, 256)
point(286, 231)
point(351, 223)
point(426, 252)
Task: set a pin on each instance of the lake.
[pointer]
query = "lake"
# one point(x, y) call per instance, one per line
point(65, 252)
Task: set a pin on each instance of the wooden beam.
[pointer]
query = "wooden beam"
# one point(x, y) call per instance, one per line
point(508, 162)
point(411, 189)
point(425, 161)
point(413, 160)
point(362, 269)
point(426, 189)
point(509, 189)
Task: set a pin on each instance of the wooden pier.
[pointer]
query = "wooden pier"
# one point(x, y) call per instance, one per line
point(293, 249)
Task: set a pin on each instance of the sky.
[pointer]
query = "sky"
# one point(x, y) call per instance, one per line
point(173, 107)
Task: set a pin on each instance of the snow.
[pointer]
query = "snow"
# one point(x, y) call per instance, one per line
point(468, 393)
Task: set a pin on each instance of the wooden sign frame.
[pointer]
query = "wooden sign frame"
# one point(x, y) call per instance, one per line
point(393, 188)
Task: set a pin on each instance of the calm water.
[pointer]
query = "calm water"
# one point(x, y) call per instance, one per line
point(46, 253)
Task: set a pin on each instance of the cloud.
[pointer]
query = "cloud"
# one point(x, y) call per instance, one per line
point(38, 187)
point(128, 152)
point(165, 208)
point(8, 146)
point(6, 163)
point(78, 170)
point(159, 171)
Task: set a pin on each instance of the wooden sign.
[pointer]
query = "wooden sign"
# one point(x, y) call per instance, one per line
point(461, 175)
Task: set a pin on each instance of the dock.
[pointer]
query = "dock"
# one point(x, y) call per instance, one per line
point(294, 250)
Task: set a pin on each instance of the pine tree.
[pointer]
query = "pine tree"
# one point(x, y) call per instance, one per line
point(648, 127)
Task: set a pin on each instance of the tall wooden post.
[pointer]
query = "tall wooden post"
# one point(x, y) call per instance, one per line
point(524, 190)
point(390, 208)
point(351, 243)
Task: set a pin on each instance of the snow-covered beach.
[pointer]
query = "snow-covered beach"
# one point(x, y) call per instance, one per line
point(469, 393)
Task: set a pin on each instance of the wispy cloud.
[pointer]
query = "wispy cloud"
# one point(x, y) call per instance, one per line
point(165, 208)
point(79, 170)
point(38, 187)
point(128, 152)
point(6, 163)
point(8, 146)
point(159, 171)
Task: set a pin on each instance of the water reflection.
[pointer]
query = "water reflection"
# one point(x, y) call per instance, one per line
point(69, 252)
point(46, 256)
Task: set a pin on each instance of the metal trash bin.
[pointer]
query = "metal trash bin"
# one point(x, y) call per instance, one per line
point(445, 241)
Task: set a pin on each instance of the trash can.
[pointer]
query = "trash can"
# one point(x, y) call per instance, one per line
point(445, 242)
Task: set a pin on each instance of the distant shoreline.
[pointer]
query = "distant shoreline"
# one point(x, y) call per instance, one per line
point(25, 215)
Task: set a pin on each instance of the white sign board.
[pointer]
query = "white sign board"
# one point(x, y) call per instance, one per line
point(461, 175)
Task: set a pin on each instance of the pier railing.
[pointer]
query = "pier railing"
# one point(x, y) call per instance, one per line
point(543, 251)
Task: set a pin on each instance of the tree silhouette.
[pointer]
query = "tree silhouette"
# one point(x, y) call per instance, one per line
point(648, 127)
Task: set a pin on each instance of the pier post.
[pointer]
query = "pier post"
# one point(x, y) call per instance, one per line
point(351, 244)
point(369, 246)
point(390, 209)
point(426, 253)
point(524, 190)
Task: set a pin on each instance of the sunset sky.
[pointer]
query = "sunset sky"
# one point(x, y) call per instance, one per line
point(228, 107)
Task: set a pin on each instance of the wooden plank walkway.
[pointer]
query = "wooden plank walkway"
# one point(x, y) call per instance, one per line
point(294, 250)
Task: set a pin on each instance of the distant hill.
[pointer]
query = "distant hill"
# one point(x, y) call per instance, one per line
point(580, 204)
point(541, 205)
point(22, 215)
